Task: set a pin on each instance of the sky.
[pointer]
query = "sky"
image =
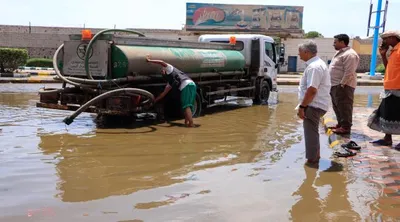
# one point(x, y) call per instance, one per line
point(327, 17)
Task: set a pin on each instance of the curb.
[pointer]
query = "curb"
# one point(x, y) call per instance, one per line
point(29, 80)
point(26, 74)
point(14, 75)
point(36, 71)
point(42, 73)
point(34, 68)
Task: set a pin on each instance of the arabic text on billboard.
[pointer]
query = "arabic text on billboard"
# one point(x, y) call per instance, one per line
point(202, 16)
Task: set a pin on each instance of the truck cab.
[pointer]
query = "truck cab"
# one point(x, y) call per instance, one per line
point(260, 53)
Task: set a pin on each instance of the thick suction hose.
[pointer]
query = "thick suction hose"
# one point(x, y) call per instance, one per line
point(84, 83)
point(105, 95)
point(55, 65)
point(89, 46)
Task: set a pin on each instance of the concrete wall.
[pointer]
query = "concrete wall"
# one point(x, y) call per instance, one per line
point(365, 62)
point(38, 44)
point(325, 51)
point(364, 46)
point(43, 41)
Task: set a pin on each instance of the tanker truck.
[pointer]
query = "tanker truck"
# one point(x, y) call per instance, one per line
point(107, 74)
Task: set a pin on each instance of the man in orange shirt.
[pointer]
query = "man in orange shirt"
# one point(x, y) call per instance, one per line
point(386, 118)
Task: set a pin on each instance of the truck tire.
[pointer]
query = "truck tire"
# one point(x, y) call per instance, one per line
point(263, 91)
point(198, 106)
point(173, 107)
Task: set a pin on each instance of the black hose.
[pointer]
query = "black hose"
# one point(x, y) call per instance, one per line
point(70, 119)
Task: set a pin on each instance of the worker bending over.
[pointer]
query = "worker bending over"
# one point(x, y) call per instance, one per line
point(178, 79)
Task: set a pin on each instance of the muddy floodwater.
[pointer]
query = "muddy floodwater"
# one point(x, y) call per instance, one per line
point(244, 163)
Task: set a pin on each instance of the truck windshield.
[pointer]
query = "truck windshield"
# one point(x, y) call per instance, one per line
point(270, 51)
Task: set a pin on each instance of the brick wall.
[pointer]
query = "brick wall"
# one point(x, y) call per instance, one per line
point(365, 62)
point(38, 44)
point(43, 41)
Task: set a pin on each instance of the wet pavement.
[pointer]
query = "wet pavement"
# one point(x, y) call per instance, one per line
point(377, 165)
point(244, 163)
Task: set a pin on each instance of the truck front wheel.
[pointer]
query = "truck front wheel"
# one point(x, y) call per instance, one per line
point(263, 91)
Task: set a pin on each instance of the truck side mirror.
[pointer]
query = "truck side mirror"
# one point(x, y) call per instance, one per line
point(282, 60)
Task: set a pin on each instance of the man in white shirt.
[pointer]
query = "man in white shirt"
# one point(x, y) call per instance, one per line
point(314, 98)
point(177, 78)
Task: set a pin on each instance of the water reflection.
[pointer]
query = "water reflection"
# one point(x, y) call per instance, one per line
point(82, 162)
point(370, 101)
point(111, 162)
point(313, 206)
point(21, 100)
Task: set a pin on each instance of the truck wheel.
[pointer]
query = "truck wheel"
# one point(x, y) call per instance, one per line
point(265, 91)
point(173, 107)
point(198, 106)
point(262, 93)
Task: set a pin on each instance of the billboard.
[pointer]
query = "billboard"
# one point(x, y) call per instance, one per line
point(203, 16)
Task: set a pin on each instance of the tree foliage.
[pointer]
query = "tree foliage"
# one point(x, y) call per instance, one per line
point(313, 34)
point(11, 58)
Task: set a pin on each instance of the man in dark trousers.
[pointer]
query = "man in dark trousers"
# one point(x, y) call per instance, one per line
point(181, 81)
point(344, 81)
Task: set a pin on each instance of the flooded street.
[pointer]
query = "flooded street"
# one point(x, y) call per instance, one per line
point(242, 164)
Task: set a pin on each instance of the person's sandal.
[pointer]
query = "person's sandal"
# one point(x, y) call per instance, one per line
point(348, 153)
point(351, 145)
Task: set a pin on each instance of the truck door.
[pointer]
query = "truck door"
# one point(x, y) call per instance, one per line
point(269, 62)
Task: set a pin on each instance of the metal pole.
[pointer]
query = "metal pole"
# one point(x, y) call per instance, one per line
point(369, 17)
point(385, 16)
point(376, 36)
